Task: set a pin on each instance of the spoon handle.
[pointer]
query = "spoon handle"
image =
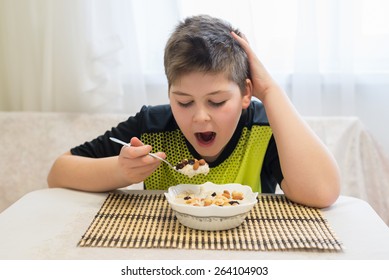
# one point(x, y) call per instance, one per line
point(129, 145)
point(119, 141)
point(161, 159)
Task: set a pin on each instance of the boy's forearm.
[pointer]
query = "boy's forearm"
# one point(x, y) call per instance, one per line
point(311, 175)
point(87, 174)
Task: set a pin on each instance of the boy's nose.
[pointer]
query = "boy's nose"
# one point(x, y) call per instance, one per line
point(201, 115)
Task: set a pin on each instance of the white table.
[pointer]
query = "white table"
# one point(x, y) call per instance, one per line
point(47, 224)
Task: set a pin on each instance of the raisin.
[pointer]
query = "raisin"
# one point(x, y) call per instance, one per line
point(180, 166)
point(232, 202)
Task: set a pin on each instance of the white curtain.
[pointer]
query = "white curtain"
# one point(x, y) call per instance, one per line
point(83, 55)
point(107, 56)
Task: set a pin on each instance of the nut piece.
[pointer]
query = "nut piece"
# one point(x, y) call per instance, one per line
point(207, 202)
point(196, 165)
point(218, 202)
point(226, 194)
point(237, 195)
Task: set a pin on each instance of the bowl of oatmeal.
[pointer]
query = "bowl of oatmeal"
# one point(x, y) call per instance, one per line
point(210, 206)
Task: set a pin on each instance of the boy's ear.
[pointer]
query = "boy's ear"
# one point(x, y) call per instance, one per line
point(246, 98)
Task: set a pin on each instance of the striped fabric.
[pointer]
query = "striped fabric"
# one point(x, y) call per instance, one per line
point(147, 221)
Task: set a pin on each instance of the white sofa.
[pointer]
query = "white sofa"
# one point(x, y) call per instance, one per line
point(31, 141)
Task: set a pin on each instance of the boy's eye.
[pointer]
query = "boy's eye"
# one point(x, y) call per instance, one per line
point(217, 104)
point(185, 104)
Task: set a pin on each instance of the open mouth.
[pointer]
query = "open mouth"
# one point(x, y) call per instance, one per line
point(205, 138)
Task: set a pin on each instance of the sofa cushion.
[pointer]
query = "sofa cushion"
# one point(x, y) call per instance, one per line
point(30, 142)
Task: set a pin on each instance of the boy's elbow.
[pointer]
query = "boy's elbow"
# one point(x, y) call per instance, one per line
point(51, 179)
point(334, 195)
point(328, 199)
point(56, 172)
point(320, 194)
point(329, 193)
point(328, 187)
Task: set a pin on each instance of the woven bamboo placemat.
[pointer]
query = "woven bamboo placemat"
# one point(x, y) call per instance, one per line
point(147, 221)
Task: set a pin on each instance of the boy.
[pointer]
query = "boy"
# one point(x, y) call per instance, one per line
point(212, 75)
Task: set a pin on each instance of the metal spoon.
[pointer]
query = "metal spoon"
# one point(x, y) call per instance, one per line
point(150, 154)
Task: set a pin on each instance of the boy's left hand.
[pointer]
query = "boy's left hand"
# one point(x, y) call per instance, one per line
point(260, 78)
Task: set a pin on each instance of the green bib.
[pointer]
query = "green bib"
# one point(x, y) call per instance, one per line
point(243, 166)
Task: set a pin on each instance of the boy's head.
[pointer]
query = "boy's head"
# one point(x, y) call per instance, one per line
point(204, 44)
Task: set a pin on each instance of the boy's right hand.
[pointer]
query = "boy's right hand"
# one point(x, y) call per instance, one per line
point(135, 164)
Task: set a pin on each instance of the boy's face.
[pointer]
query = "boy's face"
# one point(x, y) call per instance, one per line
point(207, 108)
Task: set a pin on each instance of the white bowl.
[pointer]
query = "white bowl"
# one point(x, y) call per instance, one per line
point(211, 217)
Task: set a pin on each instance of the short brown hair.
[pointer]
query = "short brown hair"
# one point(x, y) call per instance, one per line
point(203, 43)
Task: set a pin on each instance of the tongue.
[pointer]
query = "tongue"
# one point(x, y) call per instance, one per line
point(206, 136)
